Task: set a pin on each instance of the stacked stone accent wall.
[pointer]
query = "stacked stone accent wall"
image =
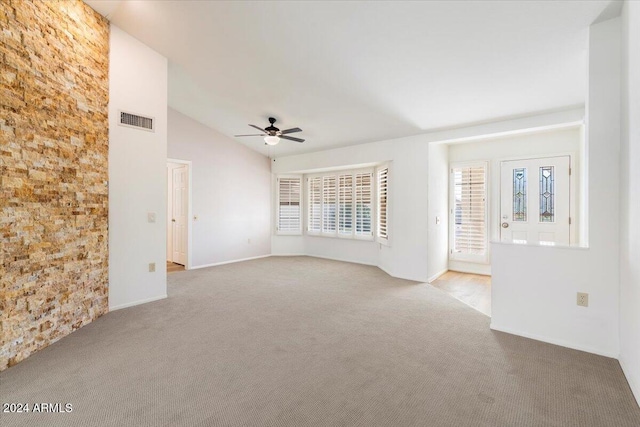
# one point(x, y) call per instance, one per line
point(53, 161)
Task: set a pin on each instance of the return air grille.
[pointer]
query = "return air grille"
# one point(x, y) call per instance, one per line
point(136, 121)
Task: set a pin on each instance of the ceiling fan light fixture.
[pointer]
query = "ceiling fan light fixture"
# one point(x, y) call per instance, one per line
point(271, 140)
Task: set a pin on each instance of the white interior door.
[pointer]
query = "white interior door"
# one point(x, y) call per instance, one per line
point(179, 204)
point(535, 201)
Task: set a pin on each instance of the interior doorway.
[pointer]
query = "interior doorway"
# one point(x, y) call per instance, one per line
point(178, 214)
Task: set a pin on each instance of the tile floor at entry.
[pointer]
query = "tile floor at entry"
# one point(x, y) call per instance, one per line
point(472, 289)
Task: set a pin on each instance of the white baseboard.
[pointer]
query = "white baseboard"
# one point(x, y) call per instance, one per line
point(289, 255)
point(435, 276)
point(229, 262)
point(134, 303)
point(633, 384)
point(385, 270)
point(469, 267)
point(342, 260)
point(561, 343)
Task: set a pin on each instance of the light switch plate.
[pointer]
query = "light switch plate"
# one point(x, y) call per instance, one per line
point(151, 217)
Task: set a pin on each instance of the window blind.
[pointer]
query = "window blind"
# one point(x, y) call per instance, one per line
point(364, 202)
point(329, 204)
point(289, 206)
point(469, 210)
point(345, 204)
point(341, 204)
point(383, 193)
point(315, 204)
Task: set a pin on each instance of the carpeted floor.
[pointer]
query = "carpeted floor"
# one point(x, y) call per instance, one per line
point(303, 342)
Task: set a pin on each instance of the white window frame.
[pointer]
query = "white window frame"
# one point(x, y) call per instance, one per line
point(336, 234)
point(460, 256)
point(297, 232)
point(384, 240)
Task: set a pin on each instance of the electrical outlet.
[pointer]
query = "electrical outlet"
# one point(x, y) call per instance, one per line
point(583, 299)
point(152, 267)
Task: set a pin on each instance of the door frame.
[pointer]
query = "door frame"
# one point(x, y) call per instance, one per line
point(188, 164)
point(574, 183)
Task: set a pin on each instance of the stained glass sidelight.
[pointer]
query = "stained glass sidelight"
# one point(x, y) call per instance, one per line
point(547, 213)
point(520, 194)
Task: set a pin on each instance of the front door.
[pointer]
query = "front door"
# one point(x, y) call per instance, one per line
point(535, 201)
point(179, 215)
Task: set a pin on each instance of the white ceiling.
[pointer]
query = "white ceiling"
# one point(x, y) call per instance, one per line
point(355, 72)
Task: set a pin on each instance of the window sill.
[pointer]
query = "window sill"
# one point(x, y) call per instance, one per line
point(338, 236)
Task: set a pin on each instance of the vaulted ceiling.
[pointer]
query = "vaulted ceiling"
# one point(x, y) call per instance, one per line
point(355, 72)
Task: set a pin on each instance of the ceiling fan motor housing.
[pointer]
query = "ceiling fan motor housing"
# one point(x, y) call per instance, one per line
point(271, 129)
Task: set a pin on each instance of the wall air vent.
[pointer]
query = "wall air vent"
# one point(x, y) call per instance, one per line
point(136, 121)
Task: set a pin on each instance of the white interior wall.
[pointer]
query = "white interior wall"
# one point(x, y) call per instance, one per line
point(548, 143)
point(231, 193)
point(438, 214)
point(137, 173)
point(630, 199)
point(534, 287)
point(407, 255)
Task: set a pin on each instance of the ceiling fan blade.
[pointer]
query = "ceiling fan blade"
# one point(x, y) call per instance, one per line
point(254, 134)
point(292, 130)
point(260, 129)
point(291, 138)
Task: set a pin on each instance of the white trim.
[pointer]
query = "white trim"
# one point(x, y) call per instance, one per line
point(288, 255)
point(385, 270)
point(343, 260)
point(560, 342)
point(470, 267)
point(435, 276)
point(139, 302)
point(635, 387)
point(229, 262)
point(189, 208)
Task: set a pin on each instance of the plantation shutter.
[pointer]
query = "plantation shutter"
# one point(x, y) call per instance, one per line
point(364, 204)
point(329, 204)
point(469, 210)
point(289, 206)
point(383, 193)
point(314, 205)
point(345, 204)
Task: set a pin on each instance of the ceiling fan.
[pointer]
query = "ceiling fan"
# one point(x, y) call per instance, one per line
point(273, 135)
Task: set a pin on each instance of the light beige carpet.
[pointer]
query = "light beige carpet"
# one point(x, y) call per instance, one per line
point(304, 342)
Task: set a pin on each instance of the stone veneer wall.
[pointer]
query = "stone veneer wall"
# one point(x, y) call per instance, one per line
point(53, 162)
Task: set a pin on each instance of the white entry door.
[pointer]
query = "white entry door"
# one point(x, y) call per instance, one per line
point(535, 201)
point(179, 215)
